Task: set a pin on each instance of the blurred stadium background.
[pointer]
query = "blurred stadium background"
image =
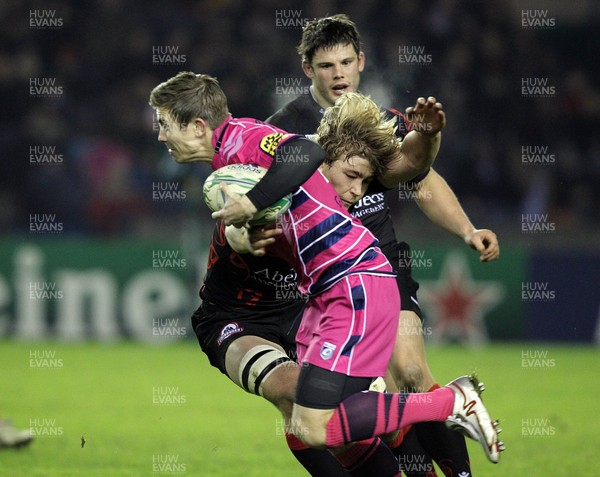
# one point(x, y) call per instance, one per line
point(104, 239)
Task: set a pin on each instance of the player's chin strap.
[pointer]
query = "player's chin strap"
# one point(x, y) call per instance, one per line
point(257, 364)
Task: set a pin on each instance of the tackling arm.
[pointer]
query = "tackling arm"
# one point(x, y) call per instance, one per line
point(251, 240)
point(288, 171)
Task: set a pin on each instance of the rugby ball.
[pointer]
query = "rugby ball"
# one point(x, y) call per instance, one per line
point(241, 178)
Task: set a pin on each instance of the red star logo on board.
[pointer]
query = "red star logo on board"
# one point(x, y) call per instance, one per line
point(455, 304)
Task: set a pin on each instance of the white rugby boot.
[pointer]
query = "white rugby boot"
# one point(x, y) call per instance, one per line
point(470, 417)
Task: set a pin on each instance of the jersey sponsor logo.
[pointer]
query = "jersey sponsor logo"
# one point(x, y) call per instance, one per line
point(276, 277)
point(370, 199)
point(327, 350)
point(269, 143)
point(368, 210)
point(228, 330)
point(369, 204)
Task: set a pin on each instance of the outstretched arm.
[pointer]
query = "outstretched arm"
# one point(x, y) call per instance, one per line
point(440, 205)
point(420, 146)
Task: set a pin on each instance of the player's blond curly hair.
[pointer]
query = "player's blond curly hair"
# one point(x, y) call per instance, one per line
point(355, 126)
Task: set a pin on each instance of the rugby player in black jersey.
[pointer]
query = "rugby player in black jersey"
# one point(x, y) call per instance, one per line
point(332, 59)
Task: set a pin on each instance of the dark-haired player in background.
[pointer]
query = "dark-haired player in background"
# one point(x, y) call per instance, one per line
point(332, 58)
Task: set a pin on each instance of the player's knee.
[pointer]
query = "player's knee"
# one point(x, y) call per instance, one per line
point(311, 435)
point(262, 371)
point(311, 439)
point(310, 425)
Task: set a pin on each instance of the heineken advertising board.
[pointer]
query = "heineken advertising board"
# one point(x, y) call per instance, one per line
point(72, 289)
point(76, 289)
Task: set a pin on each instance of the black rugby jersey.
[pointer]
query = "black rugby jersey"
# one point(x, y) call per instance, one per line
point(302, 116)
point(242, 281)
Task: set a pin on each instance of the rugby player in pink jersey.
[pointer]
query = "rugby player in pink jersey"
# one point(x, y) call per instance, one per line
point(348, 329)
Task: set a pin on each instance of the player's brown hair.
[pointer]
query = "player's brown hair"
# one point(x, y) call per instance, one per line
point(189, 95)
point(355, 126)
point(326, 33)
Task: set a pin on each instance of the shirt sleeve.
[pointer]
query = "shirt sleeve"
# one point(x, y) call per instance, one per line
point(295, 161)
point(418, 178)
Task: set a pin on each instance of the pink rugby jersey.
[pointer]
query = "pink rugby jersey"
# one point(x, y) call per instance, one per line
point(327, 243)
point(246, 141)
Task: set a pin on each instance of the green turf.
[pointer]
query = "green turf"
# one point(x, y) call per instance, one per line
point(142, 409)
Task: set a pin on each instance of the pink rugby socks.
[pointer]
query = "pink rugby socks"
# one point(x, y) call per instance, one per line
point(370, 414)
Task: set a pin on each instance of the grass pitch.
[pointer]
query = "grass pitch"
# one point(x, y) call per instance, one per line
point(155, 411)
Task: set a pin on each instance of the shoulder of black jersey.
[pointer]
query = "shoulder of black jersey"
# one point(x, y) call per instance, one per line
point(281, 115)
point(301, 115)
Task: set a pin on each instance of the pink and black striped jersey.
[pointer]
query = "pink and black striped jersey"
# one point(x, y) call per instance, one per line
point(328, 243)
point(324, 242)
